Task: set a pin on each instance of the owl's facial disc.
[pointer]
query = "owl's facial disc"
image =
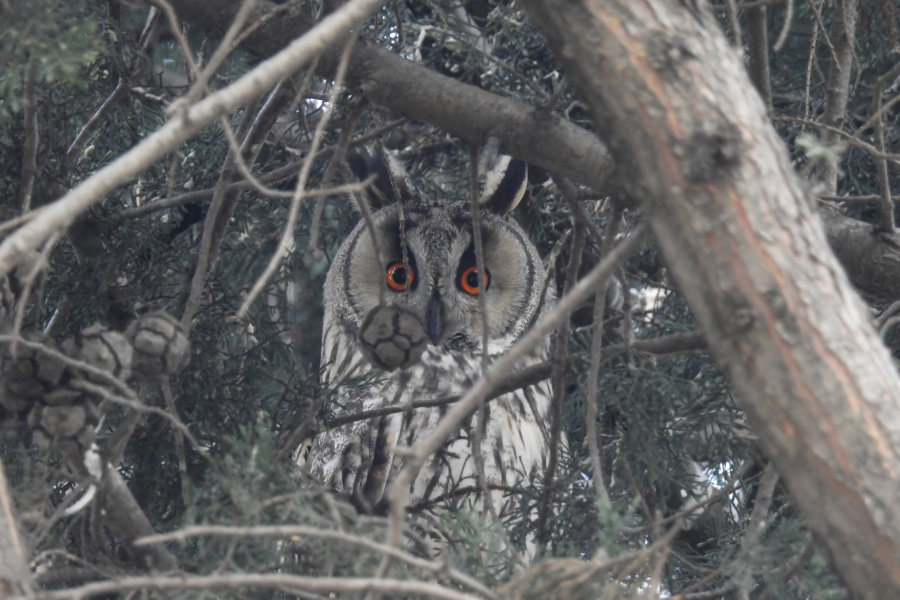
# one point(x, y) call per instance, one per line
point(431, 270)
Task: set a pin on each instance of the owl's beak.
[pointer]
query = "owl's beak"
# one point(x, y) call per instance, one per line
point(433, 320)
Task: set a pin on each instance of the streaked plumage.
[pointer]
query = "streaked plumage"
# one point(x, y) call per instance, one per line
point(357, 459)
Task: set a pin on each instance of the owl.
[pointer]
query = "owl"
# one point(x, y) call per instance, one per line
point(404, 324)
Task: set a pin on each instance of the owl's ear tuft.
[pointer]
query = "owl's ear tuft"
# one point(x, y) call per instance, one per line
point(505, 185)
point(390, 182)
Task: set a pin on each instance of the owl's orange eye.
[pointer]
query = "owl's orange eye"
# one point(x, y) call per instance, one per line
point(468, 281)
point(399, 277)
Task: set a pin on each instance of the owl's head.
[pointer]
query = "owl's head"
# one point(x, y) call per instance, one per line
point(422, 257)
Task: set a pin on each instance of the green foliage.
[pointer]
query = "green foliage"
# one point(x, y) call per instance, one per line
point(670, 431)
point(52, 39)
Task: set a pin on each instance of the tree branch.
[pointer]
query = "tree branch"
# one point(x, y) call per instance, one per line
point(64, 211)
point(410, 90)
point(750, 255)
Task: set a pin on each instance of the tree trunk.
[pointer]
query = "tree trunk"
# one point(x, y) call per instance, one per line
point(749, 252)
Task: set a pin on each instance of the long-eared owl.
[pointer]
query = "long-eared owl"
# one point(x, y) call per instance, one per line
point(422, 263)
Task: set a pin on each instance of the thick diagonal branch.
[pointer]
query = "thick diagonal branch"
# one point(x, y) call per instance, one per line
point(750, 255)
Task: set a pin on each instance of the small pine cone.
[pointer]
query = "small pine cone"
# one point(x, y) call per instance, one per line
point(392, 337)
point(64, 417)
point(107, 350)
point(160, 345)
point(29, 376)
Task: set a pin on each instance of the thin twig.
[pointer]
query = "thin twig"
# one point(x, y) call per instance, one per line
point(279, 174)
point(591, 396)
point(135, 404)
point(560, 360)
point(340, 151)
point(15, 222)
point(719, 8)
point(810, 62)
point(286, 241)
point(850, 139)
point(785, 27)
point(222, 51)
point(821, 26)
point(477, 454)
point(27, 283)
point(206, 256)
point(886, 214)
point(537, 89)
point(63, 212)
point(15, 556)
point(480, 425)
point(30, 144)
point(865, 198)
point(743, 578)
point(175, 30)
point(292, 531)
point(399, 489)
point(179, 443)
point(758, 54)
point(877, 115)
point(676, 343)
point(242, 166)
point(268, 581)
point(94, 123)
point(736, 37)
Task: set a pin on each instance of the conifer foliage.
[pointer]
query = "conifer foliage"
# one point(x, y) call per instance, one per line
point(171, 196)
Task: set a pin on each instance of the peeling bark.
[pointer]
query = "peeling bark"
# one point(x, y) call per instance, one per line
point(750, 254)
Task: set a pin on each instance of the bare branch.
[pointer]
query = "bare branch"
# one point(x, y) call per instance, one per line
point(63, 212)
point(272, 581)
point(560, 359)
point(377, 73)
point(94, 124)
point(30, 146)
point(286, 242)
point(591, 397)
point(179, 444)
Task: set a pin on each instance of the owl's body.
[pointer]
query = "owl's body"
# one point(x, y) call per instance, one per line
point(438, 291)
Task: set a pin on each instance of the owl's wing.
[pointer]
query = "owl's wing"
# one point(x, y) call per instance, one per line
point(355, 459)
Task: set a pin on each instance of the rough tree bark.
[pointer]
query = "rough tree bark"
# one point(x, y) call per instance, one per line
point(408, 89)
point(749, 252)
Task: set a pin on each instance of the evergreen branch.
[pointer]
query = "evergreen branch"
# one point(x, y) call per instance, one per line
point(59, 215)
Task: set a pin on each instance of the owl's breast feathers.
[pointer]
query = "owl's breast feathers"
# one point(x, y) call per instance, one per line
point(358, 459)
